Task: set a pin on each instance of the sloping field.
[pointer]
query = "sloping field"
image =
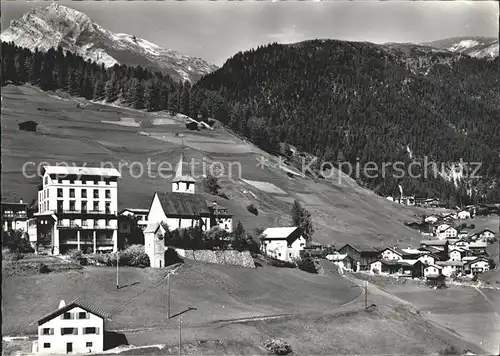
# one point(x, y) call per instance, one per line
point(217, 292)
point(341, 210)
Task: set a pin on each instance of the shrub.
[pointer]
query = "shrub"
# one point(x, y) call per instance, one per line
point(253, 209)
point(172, 257)
point(211, 185)
point(43, 268)
point(77, 256)
point(17, 241)
point(307, 265)
point(278, 346)
point(281, 264)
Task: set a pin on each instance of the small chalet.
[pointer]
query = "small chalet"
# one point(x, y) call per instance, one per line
point(14, 216)
point(283, 243)
point(433, 271)
point(449, 267)
point(464, 214)
point(341, 260)
point(28, 126)
point(478, 248)
point(445, 231)
point(362, 255)
point(477, 266)
point(409, 268)
point(77, 327)
point(482, 235)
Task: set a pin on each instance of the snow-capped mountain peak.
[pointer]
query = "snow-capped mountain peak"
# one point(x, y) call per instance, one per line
point(58, 25)
point(477, 47)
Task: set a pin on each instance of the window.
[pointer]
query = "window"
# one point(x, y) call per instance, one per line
point(72, 193)
point(59, 192)
point(69, 331)
point(46, 180)
point(47, 331)
point(107, 182)
point(108, 210)
point(96, 182)
point(96, 193)
point(72, 205)
point(83, 315)
point(108, 194)
point(84, 206)
point(48, 191)
point(71, 181)
point(108, 222)
point(59, 206)
point(59, 180)
point(46, 345)
point(84, 193)
point(91, 330)
point(67, 316)
point(96, 206)
point(88, 344)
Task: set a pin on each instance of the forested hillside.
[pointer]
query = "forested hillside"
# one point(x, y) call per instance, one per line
point(342, 101)
point(360, 101)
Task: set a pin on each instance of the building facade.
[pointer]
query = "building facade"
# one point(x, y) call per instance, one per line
point(77, 209)
point(74, 328)
point(14, 216)
point(283, 243)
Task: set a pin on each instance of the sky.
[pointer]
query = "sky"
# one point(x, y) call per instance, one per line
point(216, 30)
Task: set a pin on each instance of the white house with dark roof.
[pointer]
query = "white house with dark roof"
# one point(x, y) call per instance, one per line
point(449, 267)
point(283, 243)
point(477, 266)
point(77, 327)
point(445, 231)
point(433, 271)
point(481, 235)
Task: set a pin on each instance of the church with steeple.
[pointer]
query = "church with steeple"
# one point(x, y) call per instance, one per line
point(180, 209)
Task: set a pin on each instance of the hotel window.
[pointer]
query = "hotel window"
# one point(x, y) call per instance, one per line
point(59, 180)
point(72, 193)
point(91, 330)
point(46, 345)
point(108, 222)
point(83, 315)
point(84, 206)
point(96, 193)
point(72, 205)
point(59, 192)
point(71, 222)
point(96, 206)
point(96, 182)
point(46, 180)
point(48, 191)
point(88, 344)
point(69, 331)
point(108, 194)
point(108, 208)
point(84, 193)
point(107, 182)
point(47, 331)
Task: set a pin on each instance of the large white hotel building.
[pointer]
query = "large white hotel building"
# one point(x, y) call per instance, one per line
point(77, 209)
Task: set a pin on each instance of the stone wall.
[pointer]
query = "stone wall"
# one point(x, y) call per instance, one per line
point(226, 257)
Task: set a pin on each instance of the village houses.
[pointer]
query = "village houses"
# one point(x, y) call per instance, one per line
point(362, 255)
point(445, 231)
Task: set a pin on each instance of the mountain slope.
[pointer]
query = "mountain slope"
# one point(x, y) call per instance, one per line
point(57, 25)
point(363, 102)
point(477, 47)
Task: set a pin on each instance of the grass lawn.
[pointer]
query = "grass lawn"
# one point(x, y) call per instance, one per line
point(217, 292)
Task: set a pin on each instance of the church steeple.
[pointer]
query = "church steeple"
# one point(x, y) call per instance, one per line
point(182, 183)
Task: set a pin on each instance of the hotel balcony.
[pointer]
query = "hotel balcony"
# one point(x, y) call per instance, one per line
point(86, 212)
point(84, 226)
point(18, 215)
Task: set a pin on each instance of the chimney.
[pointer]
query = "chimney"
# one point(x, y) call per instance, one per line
point(62, 304)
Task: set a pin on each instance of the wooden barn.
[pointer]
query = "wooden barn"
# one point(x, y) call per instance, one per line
point(28, 126)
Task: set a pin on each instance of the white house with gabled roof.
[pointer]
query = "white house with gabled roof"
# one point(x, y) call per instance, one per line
point(283, 243)
point(77, 327)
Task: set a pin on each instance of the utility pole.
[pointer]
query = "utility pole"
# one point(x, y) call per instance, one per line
point(366, 294)
point(168, 300)
point(117, 264)
point(180, 335)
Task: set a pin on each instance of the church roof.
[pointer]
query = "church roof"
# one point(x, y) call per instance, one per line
point(179, 204)
point(179, 176)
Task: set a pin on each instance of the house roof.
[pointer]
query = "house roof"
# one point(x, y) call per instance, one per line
point(75, 303)
point(152, 227)
point(135, 211)
point(30, 122)
point(181, 204)
point(432, 249)
point(279, 233)
point(450, 263)
point(435, 266)
point(82, 171)
point(479, 231)
point(478, 244)
point(411, 251)
point(362, 248)
point(406, 263)
point(395, 250)
point(179, 176)
point(336, 257)
point(434, 242)
point(481, 258)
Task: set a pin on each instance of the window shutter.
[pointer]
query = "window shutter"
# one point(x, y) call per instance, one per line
point(75, 331)
point(97, 331)
point(51, 332)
